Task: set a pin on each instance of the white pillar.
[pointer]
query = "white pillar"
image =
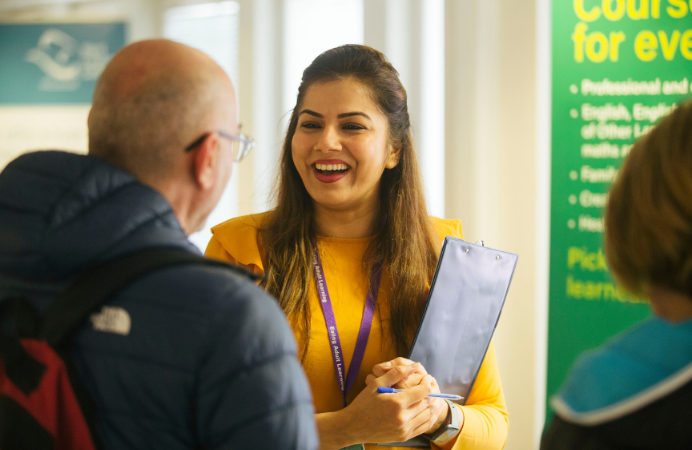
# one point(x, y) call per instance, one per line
point(411, 34)
point(374, 20)
point(431, 101)
point(491, 178)
point(460, 118)
point(244, 171)
point(267, 95)
point(487, 106)
point(145, 19)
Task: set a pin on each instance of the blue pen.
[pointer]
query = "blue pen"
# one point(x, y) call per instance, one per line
point(386, 390)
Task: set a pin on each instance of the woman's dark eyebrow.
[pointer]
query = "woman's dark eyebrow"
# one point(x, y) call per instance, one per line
point(340, 116)
point(312, 113)
point(354, 113)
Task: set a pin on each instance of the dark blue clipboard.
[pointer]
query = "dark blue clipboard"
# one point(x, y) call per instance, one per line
point(466, 297)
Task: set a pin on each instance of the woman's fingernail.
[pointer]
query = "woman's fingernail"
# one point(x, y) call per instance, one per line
point(386, 364)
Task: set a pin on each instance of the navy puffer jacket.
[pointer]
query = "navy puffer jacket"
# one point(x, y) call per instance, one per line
point(208, 361)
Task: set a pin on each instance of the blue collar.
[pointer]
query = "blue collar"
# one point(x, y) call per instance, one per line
point(635, 368)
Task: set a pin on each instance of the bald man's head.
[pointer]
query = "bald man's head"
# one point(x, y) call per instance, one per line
point(151, 101)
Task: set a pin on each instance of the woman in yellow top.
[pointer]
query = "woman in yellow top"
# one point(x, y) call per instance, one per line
point(349, 252)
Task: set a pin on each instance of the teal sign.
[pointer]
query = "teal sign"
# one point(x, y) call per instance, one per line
point(55, 63)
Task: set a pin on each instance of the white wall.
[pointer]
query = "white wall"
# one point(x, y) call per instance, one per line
point(491, 178)
point(411, 34)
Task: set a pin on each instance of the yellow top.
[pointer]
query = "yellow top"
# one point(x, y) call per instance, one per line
point(485, 413)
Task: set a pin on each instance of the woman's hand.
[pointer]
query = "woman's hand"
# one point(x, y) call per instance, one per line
point(382, 418)
point(409, 381)
point(414, 378)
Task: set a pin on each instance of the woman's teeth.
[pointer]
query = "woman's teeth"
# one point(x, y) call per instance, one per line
point(331, 167)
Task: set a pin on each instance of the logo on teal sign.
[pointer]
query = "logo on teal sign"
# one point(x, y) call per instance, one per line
point(65, 62)
point(55, 63)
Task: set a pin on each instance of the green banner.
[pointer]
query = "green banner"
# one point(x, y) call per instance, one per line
point(618, 67)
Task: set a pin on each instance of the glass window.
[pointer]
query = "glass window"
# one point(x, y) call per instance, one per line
point(212, 28)
point(312, 27)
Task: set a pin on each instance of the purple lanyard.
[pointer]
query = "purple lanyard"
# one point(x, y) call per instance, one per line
point(365, 325)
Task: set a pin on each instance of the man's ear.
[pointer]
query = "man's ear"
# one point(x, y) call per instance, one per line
point(393, 157)
point(205, 161)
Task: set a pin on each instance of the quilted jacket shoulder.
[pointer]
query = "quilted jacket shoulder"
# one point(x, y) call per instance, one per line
point(207, 361)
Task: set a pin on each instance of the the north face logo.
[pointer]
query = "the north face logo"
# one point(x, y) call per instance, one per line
point(112, 319)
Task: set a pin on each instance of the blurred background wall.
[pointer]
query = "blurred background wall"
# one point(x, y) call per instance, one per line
point(478, 85)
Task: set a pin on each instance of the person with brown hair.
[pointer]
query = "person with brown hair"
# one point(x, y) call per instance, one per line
point(349, 252)
point(636, 391)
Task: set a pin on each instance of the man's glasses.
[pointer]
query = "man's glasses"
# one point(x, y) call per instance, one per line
point(241, 144)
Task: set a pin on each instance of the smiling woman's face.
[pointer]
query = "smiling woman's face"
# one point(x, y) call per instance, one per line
point(340, 146)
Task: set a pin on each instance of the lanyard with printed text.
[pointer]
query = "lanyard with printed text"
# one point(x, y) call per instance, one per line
point(365, 325)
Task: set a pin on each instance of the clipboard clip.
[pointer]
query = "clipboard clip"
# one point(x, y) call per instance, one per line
point(480, 242)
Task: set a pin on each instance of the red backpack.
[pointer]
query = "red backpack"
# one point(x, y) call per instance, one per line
point(43, 405)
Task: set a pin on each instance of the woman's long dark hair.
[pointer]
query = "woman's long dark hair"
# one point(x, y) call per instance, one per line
point(406, 244)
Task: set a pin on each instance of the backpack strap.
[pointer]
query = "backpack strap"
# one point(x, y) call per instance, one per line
point(23, 317)
point(24, 371)
point(100, 283)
